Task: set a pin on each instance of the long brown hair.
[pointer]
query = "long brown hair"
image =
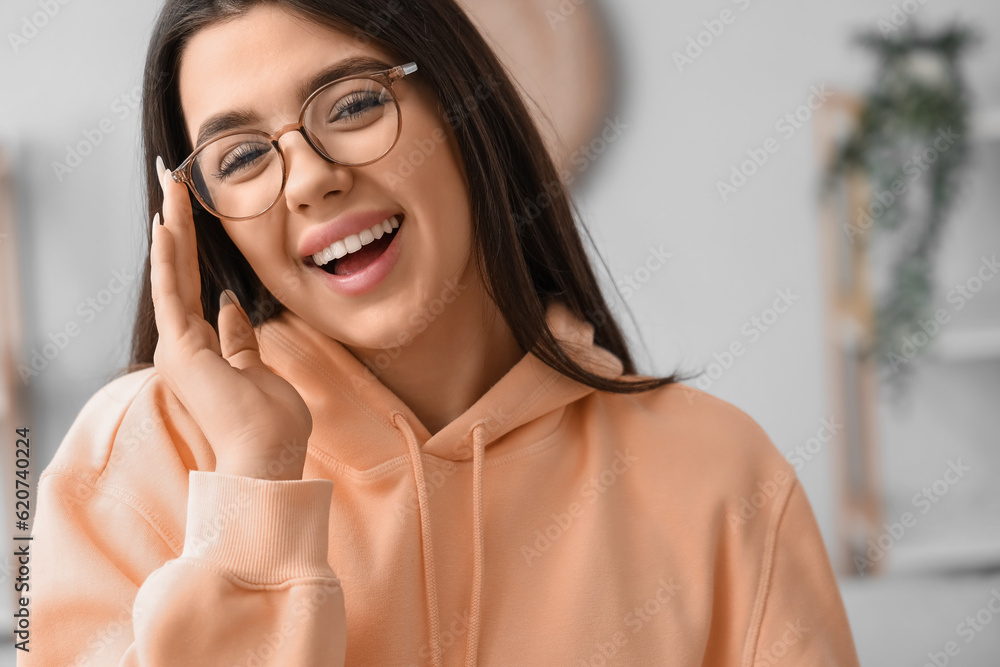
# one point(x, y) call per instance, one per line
point(528, 254)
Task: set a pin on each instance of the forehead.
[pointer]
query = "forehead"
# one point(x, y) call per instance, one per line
point(257, 63)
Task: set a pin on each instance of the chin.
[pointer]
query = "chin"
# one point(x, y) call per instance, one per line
point(377, 333)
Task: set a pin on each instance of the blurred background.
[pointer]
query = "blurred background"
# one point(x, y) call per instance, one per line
point(810, 220)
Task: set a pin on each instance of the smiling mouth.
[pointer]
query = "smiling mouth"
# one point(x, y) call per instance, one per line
point(358, 251)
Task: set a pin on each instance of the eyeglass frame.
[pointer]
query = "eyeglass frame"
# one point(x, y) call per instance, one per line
point(385, 77)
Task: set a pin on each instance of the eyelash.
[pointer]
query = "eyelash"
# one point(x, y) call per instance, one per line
point(234, 158)
point(356, 97)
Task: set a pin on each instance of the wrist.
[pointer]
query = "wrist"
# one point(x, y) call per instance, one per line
point(275, 470)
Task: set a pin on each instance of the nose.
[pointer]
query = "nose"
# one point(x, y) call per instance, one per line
point(310, 180)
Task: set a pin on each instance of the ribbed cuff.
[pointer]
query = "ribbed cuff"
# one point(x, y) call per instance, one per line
point(262, 531)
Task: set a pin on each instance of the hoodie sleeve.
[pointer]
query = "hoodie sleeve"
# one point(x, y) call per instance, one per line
point(799, 613)
point(252, 584)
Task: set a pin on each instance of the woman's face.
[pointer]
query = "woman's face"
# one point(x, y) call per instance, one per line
point(257, 64)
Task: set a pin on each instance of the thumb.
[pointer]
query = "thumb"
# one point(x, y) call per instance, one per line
point(236, 335)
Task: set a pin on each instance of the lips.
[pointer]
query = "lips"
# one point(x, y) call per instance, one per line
point(361, 272)
point(320, 238)
point(367, 254)
point(357, 242)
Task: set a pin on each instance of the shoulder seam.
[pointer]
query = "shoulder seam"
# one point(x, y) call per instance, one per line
point(764, 583)
point(124, 497)
point(125, 411)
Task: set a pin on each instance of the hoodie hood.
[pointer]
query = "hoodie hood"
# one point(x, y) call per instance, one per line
point(354, 413)
point(359, 423)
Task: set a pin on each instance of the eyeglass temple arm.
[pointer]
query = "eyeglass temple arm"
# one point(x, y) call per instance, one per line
point(399, 72)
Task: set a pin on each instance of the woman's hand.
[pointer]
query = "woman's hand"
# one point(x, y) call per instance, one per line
point(255, 421)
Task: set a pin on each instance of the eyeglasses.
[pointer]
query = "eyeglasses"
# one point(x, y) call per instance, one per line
point(353, 121)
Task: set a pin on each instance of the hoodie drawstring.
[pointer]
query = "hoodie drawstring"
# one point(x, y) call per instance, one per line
point(478, 447)
point(430, 580)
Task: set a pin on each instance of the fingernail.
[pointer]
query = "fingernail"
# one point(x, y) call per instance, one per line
point(166, 177)
point(236, 302)
point(159, 168)
point(225, 298)
point(156, 220)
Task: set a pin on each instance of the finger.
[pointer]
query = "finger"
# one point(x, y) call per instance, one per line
point(236, 334)
point(178, 218)
point(168, 308)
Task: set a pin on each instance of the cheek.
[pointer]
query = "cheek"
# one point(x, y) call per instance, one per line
point(443, 208)
point(438, 190)
point(454, 199)
point(263, 249)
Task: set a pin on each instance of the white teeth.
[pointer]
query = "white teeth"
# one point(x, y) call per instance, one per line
point(355, 242)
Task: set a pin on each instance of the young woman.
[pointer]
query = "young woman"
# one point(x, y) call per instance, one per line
point(415, 434)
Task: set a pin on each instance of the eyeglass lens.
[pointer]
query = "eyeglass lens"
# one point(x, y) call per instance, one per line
point(353, 122)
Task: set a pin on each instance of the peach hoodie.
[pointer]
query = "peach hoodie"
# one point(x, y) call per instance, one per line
point(550, 524)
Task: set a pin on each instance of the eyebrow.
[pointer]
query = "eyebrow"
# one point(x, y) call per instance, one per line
point(237, 118)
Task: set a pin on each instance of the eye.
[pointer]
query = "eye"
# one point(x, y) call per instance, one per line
point(358, 106)
point(240, 158)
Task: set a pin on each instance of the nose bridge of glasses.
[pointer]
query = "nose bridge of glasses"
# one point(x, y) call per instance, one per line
point(285, 129)
point(301, 129)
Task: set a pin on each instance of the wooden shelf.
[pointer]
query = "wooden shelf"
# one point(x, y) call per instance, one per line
point(986, 125)
point(970, 344)
point(959, 555)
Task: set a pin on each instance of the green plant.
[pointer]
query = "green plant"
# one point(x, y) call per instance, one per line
point(911, 140)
